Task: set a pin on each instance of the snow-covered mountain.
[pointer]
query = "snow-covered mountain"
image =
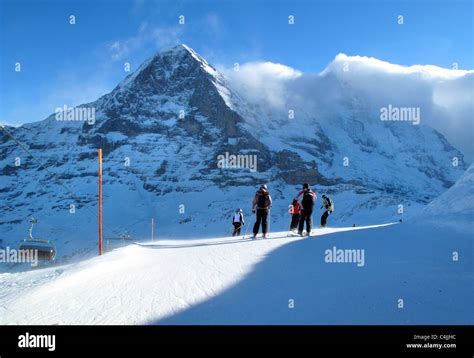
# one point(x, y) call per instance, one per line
point(163, 129)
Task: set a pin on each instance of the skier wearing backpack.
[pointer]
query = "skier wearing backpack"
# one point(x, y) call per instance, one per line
point(328, 206)
point(261, 204)
point(309, 198)
point(238, 222)
point(295, 211)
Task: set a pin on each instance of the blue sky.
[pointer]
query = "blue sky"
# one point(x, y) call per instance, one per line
point(72, 64)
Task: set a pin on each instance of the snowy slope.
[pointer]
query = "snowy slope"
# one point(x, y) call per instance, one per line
point(455, 207)
point(239, 281)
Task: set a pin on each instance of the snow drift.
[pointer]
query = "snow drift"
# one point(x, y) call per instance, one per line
point(455, 207)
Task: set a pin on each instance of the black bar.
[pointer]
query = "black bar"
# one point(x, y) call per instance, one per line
point(360, 339)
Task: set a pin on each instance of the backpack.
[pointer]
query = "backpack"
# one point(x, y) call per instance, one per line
point(329, 204)
point(308, 201)
point(237, 218)
point(262, 200)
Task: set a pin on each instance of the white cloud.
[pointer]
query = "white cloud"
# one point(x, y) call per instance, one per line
point(146, 36)
point(372, 64)
point(265, 82)
point(118, 50)
point(213, 22)
point(164, 37)
point(444, 96)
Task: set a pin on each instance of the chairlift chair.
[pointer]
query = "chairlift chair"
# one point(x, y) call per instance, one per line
point(45, 248)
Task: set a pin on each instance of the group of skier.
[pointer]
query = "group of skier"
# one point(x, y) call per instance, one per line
point(301, 212)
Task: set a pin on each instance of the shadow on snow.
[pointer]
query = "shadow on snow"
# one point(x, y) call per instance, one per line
point(412, 263)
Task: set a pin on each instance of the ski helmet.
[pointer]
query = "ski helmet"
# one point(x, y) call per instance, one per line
point(263, 186)
point(239, 210)
point(305, 186)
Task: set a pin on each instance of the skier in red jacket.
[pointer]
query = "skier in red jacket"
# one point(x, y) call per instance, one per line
point(295, 211)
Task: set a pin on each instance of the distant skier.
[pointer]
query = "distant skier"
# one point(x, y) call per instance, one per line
point(295, 212)
point(328, 206)
point(262, 203)
point(238, 222)
point(309, 198)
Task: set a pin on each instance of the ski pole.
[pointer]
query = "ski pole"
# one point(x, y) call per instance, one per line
point(269, 220)
point(246, 230)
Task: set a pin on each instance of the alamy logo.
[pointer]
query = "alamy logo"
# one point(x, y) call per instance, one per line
point(392, 113)
point(83, 114)
point(9, 255)
point(239, 161)
point(37, 341)
point(351, 256)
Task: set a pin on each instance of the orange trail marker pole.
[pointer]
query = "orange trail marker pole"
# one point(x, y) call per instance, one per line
point(100, 201)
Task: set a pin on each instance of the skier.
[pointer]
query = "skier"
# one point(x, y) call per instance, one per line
point(309, 198)
point(262, 203)
point(295, 212)
point(238, 222)
point(328, 206)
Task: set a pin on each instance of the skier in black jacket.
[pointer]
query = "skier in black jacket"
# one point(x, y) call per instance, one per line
point(309, 198)
point(262, 202)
